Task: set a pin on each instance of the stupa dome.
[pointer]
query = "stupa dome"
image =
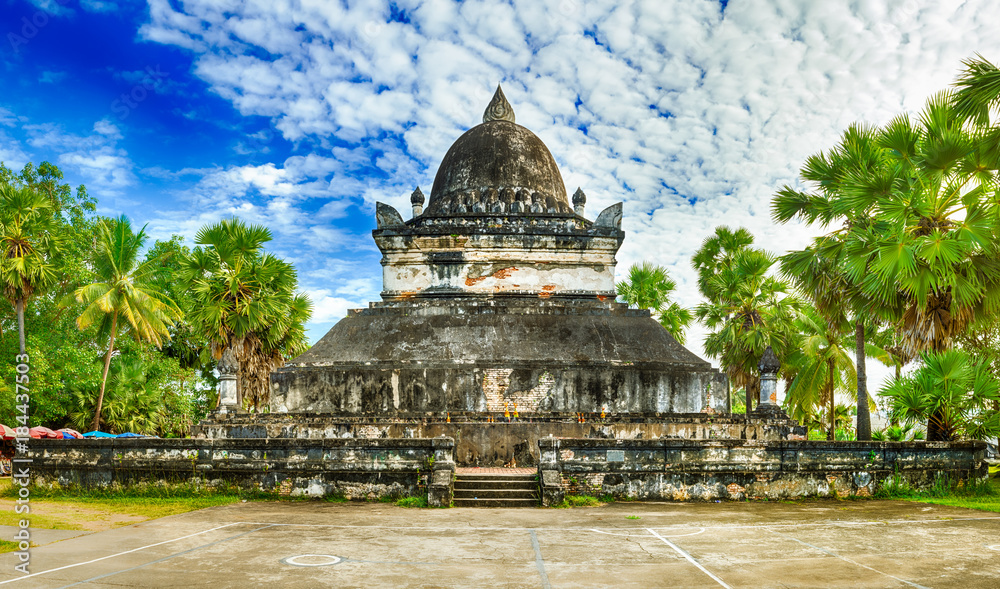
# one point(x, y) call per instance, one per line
point(494, 165)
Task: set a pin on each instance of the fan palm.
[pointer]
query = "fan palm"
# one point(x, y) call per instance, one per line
point(130, 404)
point(245, 299)
point(649, 287)
point(750, 311)
point(821, 270)
point(122, 295)
point(952, 392)
point(717, 252)
point(821, 367)
point(940, 249)
point(26, 248)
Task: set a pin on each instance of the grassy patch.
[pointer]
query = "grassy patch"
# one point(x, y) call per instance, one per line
point(632, 517)
point(8, 546)
point(981, 495)
point(96, 509)
point(38, 520)
point(579, 501)
point(412, 502)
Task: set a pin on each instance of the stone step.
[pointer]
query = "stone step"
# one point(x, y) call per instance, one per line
point(495, 502)
point(496, 494)
point(513, 485)
point(497, 477)
point(496, 489)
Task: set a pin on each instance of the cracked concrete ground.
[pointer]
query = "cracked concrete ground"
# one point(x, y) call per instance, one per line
point(829, 543)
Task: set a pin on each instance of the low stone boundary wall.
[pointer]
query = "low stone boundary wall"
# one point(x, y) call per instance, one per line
point(353, 468)
point(707, 470)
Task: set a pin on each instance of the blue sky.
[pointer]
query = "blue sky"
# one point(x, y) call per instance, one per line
point(300, 115)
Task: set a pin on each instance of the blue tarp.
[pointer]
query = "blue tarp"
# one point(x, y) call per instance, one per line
point(96, 434)
point(130, 435)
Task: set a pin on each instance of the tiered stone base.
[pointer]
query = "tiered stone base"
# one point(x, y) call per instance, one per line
point(561, 354)
point(496, 440)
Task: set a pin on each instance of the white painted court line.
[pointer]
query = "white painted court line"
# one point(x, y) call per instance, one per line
point(165, 558)
point(539, 562)
point(854, 562)
point(69, 566)
point(700, 531)
point(689, 558)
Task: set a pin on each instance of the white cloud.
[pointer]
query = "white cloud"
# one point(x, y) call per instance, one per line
point(98, 6)
point(105, 167)
point(330, 309)
point(656, 103)
point(48, 77)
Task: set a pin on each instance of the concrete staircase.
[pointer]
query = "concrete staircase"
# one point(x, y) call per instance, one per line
point(496, 490)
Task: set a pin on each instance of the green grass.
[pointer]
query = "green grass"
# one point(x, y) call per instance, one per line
point(49, 522)
point(579, 501)
point(412, 502)
point(8, 546)
point(632, 517)
point(981, 495)
point(73, 508)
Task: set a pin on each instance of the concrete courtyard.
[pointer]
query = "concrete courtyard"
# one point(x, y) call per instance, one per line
point(828, 543)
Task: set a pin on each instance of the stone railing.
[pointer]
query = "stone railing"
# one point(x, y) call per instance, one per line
point(352, 468)
point(739, 469)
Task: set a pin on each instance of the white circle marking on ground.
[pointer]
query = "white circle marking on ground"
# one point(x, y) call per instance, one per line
point(294, 560)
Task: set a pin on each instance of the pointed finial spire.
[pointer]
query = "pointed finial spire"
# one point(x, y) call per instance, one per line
point(579, 201)
point(499, 109)
point(417, 197)
point(417, 200)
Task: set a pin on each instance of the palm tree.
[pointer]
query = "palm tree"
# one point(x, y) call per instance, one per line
point(130, 403)
point(952, 392)
point(122, 295)
point(245, 299)
point(717, 252)
point(822, 270)
point(649, 287)
point(941, 250)
point(978, 93)
point(750, 311)
point(821, 366)
point(27, 246)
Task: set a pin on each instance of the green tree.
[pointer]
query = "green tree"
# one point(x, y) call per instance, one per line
point(823, 270)
point(748, 311)
point(649, 287)
point(146, 394)
point(185, 344)
point(951, 391)
point(122, 295)
point(61, 355)
point(921, 221)
point(940, 247)
point(245, 298)
point(716, 253)
point(822, 366)
point(27, 247)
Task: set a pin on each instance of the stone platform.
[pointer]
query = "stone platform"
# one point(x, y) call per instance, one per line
point(476, 355)
point(489, 440)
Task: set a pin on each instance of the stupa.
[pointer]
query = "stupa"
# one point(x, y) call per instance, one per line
point(498, 297)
